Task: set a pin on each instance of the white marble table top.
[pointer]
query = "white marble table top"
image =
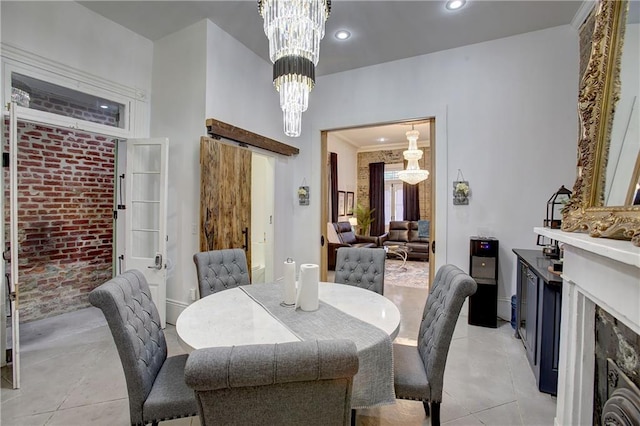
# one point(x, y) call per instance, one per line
point(231, 317)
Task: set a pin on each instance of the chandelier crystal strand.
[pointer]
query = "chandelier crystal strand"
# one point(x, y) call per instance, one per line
point(294, 29)
point(294, 100)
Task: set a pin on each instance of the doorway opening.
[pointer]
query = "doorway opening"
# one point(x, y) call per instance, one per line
point(66, 230)
point(262, 210)
point(61, 194)
point(355, 149)
point(237, 202)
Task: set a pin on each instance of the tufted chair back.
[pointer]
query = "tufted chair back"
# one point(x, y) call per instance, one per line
point(448, 292)
point(293, 383)
point(155, 383)
point(361, 267)
point(221, 269)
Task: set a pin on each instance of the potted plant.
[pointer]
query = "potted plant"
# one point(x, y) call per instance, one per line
point(365, 219)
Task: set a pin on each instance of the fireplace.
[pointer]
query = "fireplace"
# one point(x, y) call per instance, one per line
point(601, 283)
point(617, 372)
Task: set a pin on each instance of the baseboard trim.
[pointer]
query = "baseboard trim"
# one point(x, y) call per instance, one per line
point(174, 309)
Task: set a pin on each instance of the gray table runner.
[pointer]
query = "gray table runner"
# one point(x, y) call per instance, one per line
point(373, 384)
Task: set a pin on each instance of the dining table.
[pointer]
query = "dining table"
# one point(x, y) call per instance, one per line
point(255, 314)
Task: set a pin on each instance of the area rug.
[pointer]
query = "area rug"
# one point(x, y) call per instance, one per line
point(414, 274)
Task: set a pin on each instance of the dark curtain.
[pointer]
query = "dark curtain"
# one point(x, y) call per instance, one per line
point(410, 203)
point(376, 197)
point(333, 187)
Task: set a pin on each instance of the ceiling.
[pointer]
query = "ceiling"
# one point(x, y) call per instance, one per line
point(381, 31)
point(384, 136)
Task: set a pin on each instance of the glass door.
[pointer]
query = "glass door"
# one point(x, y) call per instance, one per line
point(146, 207)
point(393, 205)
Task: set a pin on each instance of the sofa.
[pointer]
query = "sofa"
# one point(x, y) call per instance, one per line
point(347, 238)
point(407, 233)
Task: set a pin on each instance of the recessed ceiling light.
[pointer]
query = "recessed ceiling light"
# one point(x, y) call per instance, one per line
point(104, 106)
point(343, 35)
point(455, 4)
point(381, 139)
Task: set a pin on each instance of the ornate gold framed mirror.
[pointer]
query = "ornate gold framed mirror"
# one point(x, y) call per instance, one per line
point(609, 141)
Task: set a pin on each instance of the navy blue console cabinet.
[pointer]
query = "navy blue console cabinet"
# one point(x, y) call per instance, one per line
point(539, 294)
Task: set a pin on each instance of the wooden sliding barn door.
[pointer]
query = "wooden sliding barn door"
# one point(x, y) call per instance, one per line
point(225, 197)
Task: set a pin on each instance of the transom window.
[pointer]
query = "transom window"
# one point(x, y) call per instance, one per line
point(40, 95)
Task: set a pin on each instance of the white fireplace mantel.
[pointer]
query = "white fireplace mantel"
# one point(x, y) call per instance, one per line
point(596, 272)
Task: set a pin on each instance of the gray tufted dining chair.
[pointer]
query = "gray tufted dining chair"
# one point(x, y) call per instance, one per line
point(155, 383)
point(361, 267)
point(220, 269)
point(419, 371)
point(295, 383)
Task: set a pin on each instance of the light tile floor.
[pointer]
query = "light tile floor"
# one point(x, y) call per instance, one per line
point(71, 375)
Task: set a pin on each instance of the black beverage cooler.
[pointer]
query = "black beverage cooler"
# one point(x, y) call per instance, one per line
point(483, 267)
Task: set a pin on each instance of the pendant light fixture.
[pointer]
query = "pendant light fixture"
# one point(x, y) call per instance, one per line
point(294, 29)
point(413, 174)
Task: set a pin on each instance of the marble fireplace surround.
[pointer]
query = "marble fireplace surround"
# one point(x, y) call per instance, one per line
point(599, 272)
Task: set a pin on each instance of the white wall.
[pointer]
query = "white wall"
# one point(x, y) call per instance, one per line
point(201, 72)
point(510, 107)
point(178, 112)
point(71, 34)
point(240, 92)
point(511, 127)
point(347, 166)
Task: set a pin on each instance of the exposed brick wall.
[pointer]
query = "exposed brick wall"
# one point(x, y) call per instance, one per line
point(394, 156)
point(65, 207)
point(42, 101)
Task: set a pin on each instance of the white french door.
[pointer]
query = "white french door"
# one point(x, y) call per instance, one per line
point(393, 207)
point(11, 292)
point(146, 213)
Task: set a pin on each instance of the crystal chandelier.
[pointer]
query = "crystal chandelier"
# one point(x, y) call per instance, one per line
point(413, 174)
point(294, 29)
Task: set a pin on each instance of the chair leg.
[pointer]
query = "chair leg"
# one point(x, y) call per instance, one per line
point(426, 407)
point(435, 414)
point(353, 417)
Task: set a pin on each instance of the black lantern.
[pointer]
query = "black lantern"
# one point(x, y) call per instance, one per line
point(556, 203)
